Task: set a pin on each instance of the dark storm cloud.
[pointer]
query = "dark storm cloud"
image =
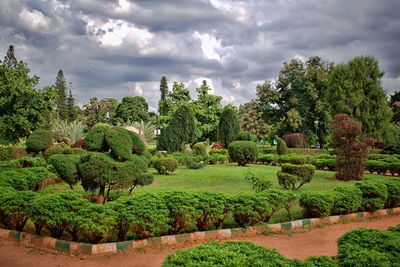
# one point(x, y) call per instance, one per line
point(113, 48)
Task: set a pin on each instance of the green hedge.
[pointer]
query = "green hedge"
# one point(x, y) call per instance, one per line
point(348, 199)
point(66, 167)
point(194, 162)
point(24, 179)
point(11, 152)
point(374, 195)
point(200, 149)
point(317, 204)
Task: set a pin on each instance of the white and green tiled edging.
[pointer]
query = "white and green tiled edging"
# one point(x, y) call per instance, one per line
point(77, 248)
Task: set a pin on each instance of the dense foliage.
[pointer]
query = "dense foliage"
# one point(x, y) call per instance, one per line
point(243, 152)
point(228, 125)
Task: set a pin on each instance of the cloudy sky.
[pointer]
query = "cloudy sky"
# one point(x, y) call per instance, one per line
point(114, 48)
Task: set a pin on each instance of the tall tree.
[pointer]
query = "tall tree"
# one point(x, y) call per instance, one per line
point(71, 107)
point(296, 102)
point(10, 60)
point(132, 109)
point(180, 131)
point(23, 109)
point(251, 120)
point(61, 88)
point(355, 89)
point(207, 109)
point(229, 126)
point(163, 107)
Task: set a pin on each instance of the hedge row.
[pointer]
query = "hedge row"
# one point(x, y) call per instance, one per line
point(360, 247)
point(22, 162)
point(25, 179)
point(363, 196)
point(139, 216)
point(11, 152)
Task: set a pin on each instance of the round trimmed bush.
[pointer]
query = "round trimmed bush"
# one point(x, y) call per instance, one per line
point(120, 142)
point(294, 176)
point(393, 188)
point(374, 195)
point(53, 151)
point(95, 138)
point(194, 162)
point(165, 165)
point(243, 152)
point(250, 208)
point(40, 140)
point(230, 253)
point(317, 204)
point(296, 140)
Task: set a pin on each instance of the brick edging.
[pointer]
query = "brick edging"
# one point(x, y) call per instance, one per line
point(78, 248)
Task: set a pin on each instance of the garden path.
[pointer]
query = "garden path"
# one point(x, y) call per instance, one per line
point(317, 241)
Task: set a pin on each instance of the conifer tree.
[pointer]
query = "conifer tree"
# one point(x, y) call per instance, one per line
point(229, 125)
point(72, 114)
point(61, 102)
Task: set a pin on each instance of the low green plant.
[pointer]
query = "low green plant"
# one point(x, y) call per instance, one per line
point(250, 208)
point(348, 199)
point(66, 167)
point(281, 148)
point(194, 162)
point(374, 195)
point(294, 176)
point(259, 184)
point(201, 149)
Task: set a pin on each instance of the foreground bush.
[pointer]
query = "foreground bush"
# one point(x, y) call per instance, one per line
point(281, 148)
point(393, 189)
point(250, 208)
point(367, 247)
point(243, 152)
point(24, 179)
point(120, 142)
point(230, 253)
point(348, 199)
point(40, 140)
point(165, 165)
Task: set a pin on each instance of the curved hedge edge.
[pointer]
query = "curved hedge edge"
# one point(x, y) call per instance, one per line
point(77, 248)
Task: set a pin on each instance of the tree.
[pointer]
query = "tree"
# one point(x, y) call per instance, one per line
point(296, 102)
point(181, 130)
point(355, 89)
point(251, 120)
point(163, 103)
point(132, 109)
point(351, 151)
point(23, 109)
point(99, 111)
point(61, 88)
point(72, 108)
point(395, 105)
point(229, 125)
point(207, 109)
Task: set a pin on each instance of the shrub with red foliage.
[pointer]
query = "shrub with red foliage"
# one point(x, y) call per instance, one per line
point(217, 145)
point(296, 140)
point(78, 144)
point(352, 152)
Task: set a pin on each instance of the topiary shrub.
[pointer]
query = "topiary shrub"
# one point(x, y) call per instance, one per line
point(138, 146)
point(374, 195)
point(246, 136)
point(317, 204)
point(29, 162)
point(296, 140)
point(165, 165)
point(66, 167)
point(348, 199)
point(351, 153)
point(120, 142)
point(40, 140)
point(200, 149)
point(194, 162)
point(10, 152)
point(368, 247)
point(293, 158)
point(243, 152)
point(217, 158)
point(294, 176)
point(230, 253)
point(95, 138)
point(281, 148)
point(250, 208)
point(268, 158)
